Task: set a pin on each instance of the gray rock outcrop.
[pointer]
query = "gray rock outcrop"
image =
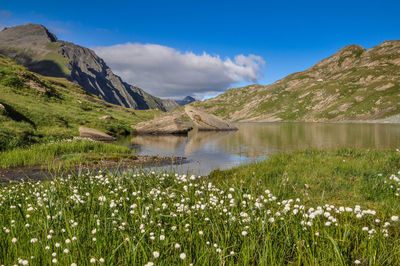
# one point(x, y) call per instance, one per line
point(166, 124)
point(207, 122)
point(94, 134)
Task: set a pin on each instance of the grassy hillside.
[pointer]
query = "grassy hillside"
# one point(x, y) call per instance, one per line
point(352, 84)
point(36, 109)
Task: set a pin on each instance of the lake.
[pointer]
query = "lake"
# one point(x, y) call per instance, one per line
point(207, 151)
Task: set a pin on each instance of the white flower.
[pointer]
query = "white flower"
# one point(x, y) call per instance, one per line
point(67, 241)
point(156, 254)
point(328, 223)
point(182, 256)
point(102, 198)
point(74, 264)
point(162, 237)
point(14, 240)
point(177, 245)
point(357, 262)
point(201, 233)
point(66, 251)
point(92, 260)
point(101, 260)
point(395, 218)
point(244, 233)
point(54, 260)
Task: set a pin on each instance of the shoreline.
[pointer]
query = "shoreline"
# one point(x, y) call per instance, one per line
point(40, 172)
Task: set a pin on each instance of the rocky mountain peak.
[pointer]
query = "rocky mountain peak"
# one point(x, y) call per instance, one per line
point(40, 51)
point(29, 32)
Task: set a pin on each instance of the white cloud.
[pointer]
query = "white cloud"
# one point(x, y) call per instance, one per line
point(166, 72)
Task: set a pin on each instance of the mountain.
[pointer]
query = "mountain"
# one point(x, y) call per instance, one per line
point(352, 84)
point(35, 108)
point(186, 100)
point(40, 51)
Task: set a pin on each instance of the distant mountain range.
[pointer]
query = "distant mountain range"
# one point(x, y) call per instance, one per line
point(186, 100)
point(40, 51)
point(352, 84)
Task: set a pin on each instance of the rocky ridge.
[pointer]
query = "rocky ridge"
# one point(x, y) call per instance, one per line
point(352, 84)
point(35, 47)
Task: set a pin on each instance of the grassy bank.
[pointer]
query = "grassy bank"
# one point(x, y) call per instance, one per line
point(319, 208)
point(39, 109)
point(62, 154)
point(340, 177)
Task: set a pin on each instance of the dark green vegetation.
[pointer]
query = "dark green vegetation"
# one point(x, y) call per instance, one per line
point(62, 154)
point(342, 177)
point(36, 109)
point(352, 84)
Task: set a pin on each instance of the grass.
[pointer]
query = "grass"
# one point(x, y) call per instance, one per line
point(341, 177)
point(62, 153)
point(304, 208)
point(27, 118)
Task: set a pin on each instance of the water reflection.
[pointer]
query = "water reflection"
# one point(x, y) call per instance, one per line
point(211, 150)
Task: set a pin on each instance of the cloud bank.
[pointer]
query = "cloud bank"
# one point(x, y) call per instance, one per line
point(166, 72)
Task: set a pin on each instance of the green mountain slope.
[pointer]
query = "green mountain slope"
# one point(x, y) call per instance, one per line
point(352, 84)
point(34, 108)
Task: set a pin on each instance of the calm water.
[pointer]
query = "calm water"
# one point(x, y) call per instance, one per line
point(207, 151)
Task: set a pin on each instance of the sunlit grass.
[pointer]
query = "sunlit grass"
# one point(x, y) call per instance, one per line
point(61, 152)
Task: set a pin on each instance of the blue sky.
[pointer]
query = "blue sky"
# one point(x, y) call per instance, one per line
point(289, 36)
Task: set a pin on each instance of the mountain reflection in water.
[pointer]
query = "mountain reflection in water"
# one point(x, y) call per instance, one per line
point(207, 151)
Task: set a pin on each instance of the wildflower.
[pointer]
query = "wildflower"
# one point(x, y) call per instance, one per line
point(244, 233)
point(177, 246)
point(14, 240)
point(357, 262)
point(162, 237)
point(395, 218)
point(92, 260)
point(66, 251)
point(182, 256)
point(101, 260)
point(201, 233)
point(156, 254)
point(74, 264)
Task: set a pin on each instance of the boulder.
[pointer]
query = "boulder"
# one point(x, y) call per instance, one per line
point(94, 134)
point(166, 124)
point(207, 122)
point(2, 109)
point(105, 117)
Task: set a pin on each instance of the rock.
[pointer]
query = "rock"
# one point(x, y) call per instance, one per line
point(207, 122)
point(2, 109)
point(105, 117)
point(94, 134)
point(167, 124)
